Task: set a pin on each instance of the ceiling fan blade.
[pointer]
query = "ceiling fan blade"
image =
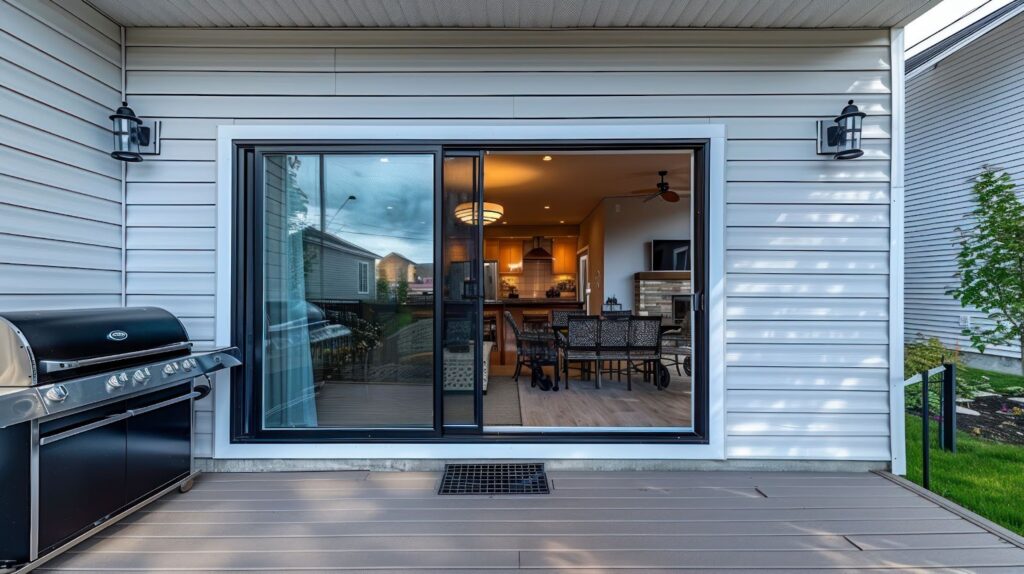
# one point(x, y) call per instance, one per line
point(639, 191)
point(670, 196)
point(652, 196)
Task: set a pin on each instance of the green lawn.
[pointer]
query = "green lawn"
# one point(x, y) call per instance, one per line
point(999, 381)
point(986, 477)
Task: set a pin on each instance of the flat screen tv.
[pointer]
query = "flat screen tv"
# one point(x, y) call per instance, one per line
point(670, 255)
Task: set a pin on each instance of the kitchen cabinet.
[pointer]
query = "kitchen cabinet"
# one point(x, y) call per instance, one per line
point(492, 251)
point(564, 251)
point(510, 256)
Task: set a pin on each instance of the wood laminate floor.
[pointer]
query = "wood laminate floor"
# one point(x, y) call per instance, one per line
point(609, 522)
point(582, 405)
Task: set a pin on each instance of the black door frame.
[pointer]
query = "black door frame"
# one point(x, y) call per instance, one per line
point(247, 220)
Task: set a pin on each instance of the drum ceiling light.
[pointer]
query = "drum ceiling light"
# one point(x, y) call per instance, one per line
point(466, 213)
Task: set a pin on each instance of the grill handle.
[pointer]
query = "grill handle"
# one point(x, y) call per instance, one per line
point(52, 366)
point(115, 418)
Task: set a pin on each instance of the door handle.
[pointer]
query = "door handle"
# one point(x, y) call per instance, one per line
point(697, 300)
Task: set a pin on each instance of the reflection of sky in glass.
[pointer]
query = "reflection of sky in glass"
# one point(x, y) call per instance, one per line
point(306, 170)
point(394, 205)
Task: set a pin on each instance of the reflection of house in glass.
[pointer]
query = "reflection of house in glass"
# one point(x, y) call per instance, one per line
point(337, 269)
point(396, 270)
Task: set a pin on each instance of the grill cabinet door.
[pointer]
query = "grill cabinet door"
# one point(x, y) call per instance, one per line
point(81, 477)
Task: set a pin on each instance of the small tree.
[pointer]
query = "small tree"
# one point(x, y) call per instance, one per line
point(383, 287)
point(991, 262)
point(402, 291)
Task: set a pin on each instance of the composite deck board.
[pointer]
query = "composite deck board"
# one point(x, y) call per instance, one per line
point(538, 514)
point(485, 504)
point(606, 522)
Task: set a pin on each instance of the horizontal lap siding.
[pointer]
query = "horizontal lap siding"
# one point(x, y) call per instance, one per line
point(807, 238)
point(60, 191)
point(971, 98)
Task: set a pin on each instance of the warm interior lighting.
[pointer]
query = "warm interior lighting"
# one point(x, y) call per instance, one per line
point(547, 207)
point(547, 158)
point(466, 213)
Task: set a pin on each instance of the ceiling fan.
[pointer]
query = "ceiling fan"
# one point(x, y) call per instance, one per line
point(663, 190)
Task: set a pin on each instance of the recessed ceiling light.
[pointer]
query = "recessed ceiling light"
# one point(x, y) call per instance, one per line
point(561, 221)
point(547, 207)
point(391, 207)
point(547, 158)
point(384, 160)
point(504, 223)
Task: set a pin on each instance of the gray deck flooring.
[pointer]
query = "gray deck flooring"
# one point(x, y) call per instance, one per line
point(591, 522)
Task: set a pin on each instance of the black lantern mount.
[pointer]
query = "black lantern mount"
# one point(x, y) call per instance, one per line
point(133, 138)
point(841, 138)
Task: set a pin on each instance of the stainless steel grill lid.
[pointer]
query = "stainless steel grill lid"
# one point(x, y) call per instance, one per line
point(39, 347)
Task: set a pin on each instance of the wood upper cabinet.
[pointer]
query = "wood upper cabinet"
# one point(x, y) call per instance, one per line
point(492, 252)
point(510, 256)
point(564, 250)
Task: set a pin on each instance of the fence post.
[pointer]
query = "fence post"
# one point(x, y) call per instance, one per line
point(949, 407)
point(925, 428)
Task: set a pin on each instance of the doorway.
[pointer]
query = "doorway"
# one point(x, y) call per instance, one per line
point(420, 345)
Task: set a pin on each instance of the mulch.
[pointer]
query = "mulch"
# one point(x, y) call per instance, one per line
point(994, 423)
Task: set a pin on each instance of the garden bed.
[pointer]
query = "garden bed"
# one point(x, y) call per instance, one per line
point(998, 419)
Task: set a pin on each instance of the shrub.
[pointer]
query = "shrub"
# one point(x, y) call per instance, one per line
point(923, 354)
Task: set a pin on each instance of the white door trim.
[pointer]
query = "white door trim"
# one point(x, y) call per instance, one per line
point(714, 133)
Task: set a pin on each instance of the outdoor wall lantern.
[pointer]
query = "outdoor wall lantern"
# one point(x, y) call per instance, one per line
point(132, 137)
point(841, 138)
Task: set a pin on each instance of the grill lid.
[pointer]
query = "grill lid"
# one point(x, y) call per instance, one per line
point(62, 344)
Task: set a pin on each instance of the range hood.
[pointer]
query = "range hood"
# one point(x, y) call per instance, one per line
point(538, 252)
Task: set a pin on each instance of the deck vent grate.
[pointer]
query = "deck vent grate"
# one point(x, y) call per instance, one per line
point(511, 478)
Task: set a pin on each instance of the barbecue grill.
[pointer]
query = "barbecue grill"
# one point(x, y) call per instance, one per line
point(95, 420)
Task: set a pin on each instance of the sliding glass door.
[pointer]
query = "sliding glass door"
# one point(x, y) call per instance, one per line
point(346, 323)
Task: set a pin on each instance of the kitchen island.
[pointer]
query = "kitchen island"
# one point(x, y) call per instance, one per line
point(494, 313)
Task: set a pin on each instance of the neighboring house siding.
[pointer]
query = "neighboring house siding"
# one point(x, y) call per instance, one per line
point(60, 191)
point(807, 282)
point(965, 114)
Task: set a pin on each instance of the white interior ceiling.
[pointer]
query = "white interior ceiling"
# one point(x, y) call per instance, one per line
point(514, 13)
point(572, 184)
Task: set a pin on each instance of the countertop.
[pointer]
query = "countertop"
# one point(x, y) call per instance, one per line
point(538, 301)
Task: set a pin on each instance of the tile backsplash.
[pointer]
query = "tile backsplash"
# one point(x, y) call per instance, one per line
point(535, 280)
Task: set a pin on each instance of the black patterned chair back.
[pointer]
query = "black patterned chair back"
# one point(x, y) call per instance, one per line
point(616, 314)
point(584, 333)
point(560, 317)
point(512, 323)
point(614, 335)
point(645, 334)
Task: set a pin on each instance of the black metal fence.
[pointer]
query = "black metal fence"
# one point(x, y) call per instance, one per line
point(946, 415)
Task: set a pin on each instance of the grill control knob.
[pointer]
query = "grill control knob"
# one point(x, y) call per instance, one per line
point(114, 382)
point(168, 369)
point(187, 364)
point(57, 394)
point(123, 377)
point(139, 377)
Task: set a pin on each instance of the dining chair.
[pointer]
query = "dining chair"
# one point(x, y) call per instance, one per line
point(582, 341)
point(614, 346)
point(645, 343)
point(522, 357)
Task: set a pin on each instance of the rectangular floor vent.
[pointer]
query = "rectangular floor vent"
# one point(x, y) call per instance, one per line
point(513, 478)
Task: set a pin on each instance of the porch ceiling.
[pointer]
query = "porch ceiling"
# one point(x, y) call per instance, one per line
point(515, 13)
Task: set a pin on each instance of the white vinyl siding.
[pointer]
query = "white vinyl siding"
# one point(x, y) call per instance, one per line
point(60, 191)
point(807, 284)
point(970, 103)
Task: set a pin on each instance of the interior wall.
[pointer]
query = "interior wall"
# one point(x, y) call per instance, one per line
point(60, 191)
point(592, 238)
point(630, 225)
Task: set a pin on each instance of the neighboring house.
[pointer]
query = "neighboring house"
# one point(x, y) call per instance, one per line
point(395, 267)
point(338, 269)
point(800, 287)
point(964, 112)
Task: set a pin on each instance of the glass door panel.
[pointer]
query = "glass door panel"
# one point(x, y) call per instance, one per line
point(461, 291)
point(347, 283)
